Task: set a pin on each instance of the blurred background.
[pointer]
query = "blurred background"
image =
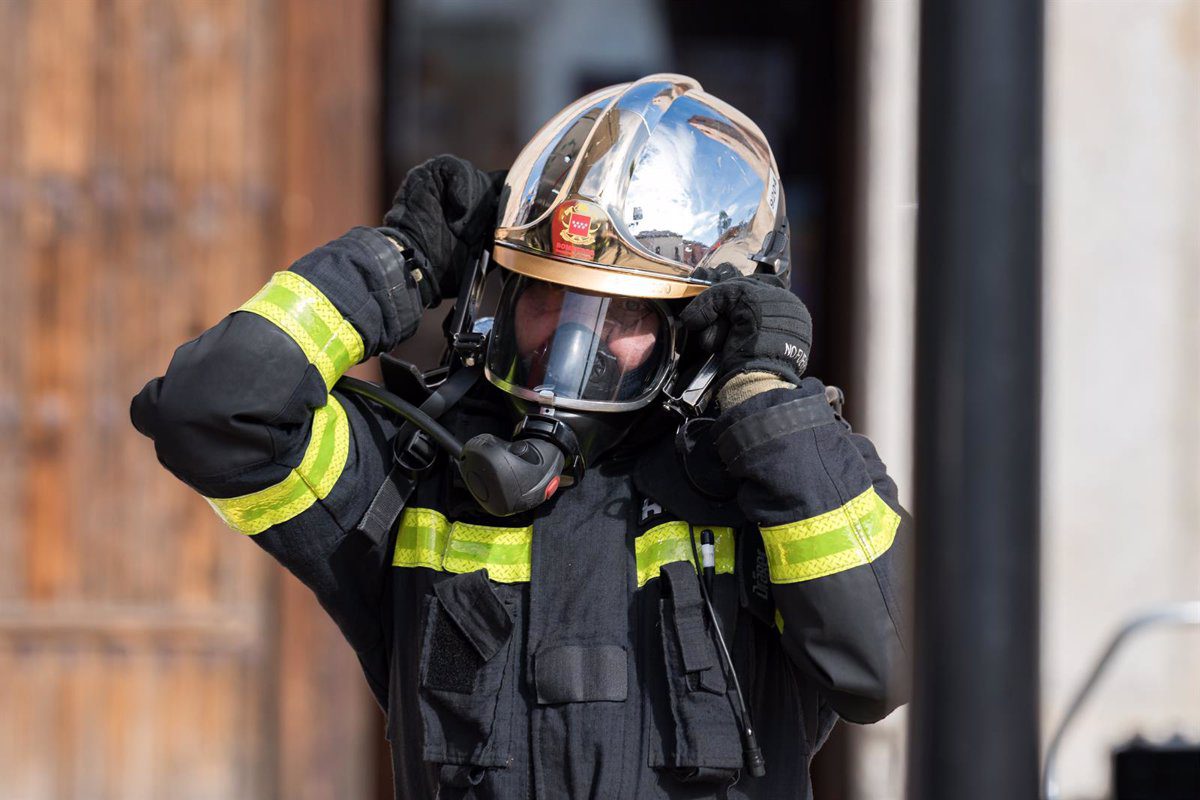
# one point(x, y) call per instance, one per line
point(159, 159)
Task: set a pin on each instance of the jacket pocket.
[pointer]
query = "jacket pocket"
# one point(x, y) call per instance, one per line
point(699, 738)
point(466, 704)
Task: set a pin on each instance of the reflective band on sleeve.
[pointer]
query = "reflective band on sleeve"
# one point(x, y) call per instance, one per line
point(329, 342)
point(312, 480)
point(426, 539)
point(671, 541)
point(850, 536)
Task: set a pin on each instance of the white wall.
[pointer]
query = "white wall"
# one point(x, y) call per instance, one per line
point(1121, 517)
point(1121, 440)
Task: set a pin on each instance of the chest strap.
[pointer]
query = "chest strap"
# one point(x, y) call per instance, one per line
point(412, 452)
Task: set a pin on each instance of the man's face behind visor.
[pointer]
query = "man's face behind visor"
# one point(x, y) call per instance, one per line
point(580, 346)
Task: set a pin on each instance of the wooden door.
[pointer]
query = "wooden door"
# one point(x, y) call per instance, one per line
point(158, 160)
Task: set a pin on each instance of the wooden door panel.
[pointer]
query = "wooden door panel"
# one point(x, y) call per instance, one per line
point(144, 151)
point(86, 723)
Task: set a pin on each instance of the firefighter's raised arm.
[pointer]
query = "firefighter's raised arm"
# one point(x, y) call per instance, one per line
point(246, 415)
point(832, 527)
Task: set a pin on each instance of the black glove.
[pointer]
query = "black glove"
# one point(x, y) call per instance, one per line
point(445, 211)
point(768, 328)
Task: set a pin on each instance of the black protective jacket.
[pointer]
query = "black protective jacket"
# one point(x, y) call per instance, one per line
point(564, 652)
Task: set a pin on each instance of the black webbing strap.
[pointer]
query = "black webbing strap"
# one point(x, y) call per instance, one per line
point(791, 417)
point(443, 399)
point(389, 500)
point(581, 673)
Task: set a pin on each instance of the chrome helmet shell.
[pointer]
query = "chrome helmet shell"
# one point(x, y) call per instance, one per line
point(641, 190)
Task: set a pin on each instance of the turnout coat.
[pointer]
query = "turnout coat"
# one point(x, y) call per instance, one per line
point(564, 652)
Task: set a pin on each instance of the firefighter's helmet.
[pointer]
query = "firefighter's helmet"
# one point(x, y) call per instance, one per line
point(636, 189)
point(628, 199)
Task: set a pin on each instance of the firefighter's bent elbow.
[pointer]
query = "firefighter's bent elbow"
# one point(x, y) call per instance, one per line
point(231, 407)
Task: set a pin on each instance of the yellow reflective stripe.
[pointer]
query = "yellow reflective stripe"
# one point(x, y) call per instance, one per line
point(427, 539)
point(329, 342)
point(421, 539)
point(671, 541)
point(503, 552)
point(850, 536)
point(312, 480)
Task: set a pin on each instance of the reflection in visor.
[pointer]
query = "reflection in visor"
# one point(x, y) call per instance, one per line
point(578, 346)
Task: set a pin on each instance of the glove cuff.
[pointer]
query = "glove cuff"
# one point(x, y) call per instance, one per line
point(743, 386)
point(417, 265)
point(785, 369)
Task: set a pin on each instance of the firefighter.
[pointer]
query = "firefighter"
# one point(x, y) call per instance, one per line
point(709, 576)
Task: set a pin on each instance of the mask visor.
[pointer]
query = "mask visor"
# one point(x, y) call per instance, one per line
point(588, 351)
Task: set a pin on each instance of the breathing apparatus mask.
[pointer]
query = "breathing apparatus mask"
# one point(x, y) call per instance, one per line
point(586, 360)
point(578, 367)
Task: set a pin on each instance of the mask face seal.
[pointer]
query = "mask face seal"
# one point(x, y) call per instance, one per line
point(565, 348)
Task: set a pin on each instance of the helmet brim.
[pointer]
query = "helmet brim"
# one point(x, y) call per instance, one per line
point(594, 277)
